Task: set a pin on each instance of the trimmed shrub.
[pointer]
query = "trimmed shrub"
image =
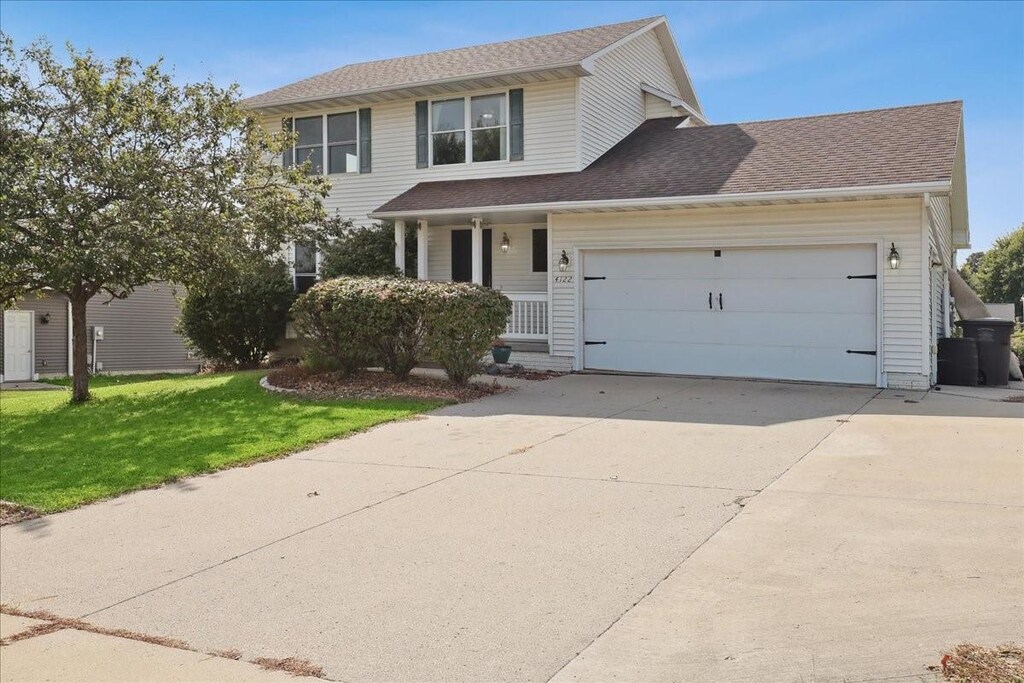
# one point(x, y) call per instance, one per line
point(461, 321)
point(1017, 346)
point(241, 317)
point(335, 318)
point(398, 321)
point(367, 252)
point(353, 323)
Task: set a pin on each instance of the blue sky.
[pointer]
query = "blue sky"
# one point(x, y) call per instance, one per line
point(749, 60)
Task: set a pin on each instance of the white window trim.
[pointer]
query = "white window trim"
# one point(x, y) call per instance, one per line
point(467, 129)
point(325, 153)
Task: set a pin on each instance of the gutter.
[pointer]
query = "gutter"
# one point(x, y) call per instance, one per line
point(938, 187)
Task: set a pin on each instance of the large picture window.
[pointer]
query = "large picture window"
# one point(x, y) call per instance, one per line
point(448, 131)
point(481, 120)
point(328, 141)
point(342, 143)
point(310, 143)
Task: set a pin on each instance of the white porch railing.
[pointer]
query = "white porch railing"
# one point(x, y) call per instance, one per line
point(529, 319)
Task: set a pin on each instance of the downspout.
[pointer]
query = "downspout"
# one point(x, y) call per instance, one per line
point(926, 290)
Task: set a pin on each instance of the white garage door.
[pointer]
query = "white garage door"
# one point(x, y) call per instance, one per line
point(804, 313)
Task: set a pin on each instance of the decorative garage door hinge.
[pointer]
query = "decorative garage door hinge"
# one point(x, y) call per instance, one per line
point(863, 353)
point(873, 276)
point(594, 277)
point(590, 343)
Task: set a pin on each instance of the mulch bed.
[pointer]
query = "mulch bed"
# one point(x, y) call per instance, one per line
point(370, 384)
point(12, 513)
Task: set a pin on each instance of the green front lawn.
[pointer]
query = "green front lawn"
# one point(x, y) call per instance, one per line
point(142, 431)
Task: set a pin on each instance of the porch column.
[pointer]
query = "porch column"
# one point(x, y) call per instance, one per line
point(400, 246)
point(421, 250)
point(478, 253)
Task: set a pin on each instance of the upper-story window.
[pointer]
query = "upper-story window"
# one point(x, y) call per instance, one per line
point(340, 154)
point(482, 120)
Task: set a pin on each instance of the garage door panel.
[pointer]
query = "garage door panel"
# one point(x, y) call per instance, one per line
point(786, 313)
point(660, 263)
point(817, 330)
point(819, 295)
point(800, 263)
point(673, 294)
point(636, 325)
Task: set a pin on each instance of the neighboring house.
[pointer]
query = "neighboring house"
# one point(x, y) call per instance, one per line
point(137, 336)
point(577, 173)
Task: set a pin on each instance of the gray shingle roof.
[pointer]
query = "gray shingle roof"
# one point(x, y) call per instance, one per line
point(540, 52)
point(880, 147)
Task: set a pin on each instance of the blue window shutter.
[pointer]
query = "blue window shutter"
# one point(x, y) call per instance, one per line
point(421, 134)
point(515, 117)
point(364, 140)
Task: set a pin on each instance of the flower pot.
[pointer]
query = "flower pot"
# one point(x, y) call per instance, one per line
point(501, 354)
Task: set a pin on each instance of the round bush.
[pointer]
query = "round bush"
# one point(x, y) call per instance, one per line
point(461, 321)
point(334, 317)
point(240, 318)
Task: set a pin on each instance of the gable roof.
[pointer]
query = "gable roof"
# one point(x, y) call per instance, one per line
point(882, 147)
point(553, 51)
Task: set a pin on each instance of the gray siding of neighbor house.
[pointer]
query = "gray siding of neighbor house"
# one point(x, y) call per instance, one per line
point(138, 332)
point(51, 338)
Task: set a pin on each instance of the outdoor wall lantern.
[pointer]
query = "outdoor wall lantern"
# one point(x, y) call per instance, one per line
point(563, 263)
point(894, 257)
point(506, 243)
point(45, 318)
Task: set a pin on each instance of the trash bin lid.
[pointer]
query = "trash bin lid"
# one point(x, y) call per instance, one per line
point(996, 322)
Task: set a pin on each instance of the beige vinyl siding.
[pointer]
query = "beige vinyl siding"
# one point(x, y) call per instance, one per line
point(942, 231)
point(511, 272)
point(887, 221)
point(139, 331)
point(612, 104)
point(51, 339)
point(657, 108)
point(549, 146)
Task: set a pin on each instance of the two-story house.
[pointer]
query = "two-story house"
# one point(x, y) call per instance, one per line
point(578, 173)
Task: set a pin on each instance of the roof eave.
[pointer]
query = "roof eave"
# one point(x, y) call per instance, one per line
point(575, 66)
point(892, 190)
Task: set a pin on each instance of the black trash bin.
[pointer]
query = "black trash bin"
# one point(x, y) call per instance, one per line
point(992, 336)
point(958, 362)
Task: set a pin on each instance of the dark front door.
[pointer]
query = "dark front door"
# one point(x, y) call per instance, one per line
point(462, 256)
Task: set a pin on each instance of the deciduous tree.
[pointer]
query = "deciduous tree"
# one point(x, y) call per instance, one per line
point(114, 176)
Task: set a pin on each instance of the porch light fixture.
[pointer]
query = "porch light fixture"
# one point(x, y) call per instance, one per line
point(506, 243)
point(45, 318)
point(894, 257)
point(563, 263)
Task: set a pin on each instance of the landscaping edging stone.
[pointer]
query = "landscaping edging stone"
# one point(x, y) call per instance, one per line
point(265, 383)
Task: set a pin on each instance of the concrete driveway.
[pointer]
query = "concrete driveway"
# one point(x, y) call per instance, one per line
point(583, 528)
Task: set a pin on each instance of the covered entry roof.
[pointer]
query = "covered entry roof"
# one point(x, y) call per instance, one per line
point(913, 148)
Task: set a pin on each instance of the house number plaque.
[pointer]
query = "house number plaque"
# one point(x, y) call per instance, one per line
point(563, 279)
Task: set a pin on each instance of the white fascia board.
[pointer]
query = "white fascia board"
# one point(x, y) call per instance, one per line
point(588, 61)
point(674, 102)
point(418, 84)
point(905, 189)
point(678, 65)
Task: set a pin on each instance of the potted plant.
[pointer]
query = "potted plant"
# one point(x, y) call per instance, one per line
point(500, 351)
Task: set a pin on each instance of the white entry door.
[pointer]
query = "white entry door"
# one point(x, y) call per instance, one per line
point(18, 346)
point(804, 313)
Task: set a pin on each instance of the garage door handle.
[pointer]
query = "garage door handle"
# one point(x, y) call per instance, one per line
point(711, 306)
point(719, 301)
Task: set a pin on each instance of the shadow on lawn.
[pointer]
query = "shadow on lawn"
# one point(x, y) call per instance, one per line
point(136, 440)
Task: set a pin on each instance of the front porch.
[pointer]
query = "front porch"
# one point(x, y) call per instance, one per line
point(513, 259)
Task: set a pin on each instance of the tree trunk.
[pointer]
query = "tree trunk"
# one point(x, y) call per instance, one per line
point(79, 346)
